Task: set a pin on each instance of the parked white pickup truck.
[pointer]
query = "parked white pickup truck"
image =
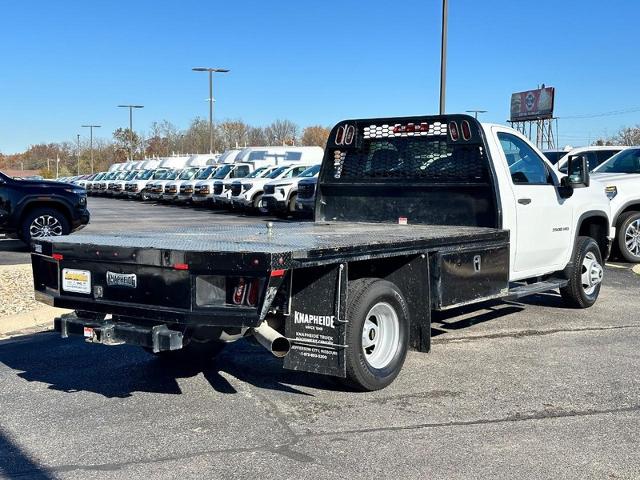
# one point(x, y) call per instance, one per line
point(248, 193)
point(621, 177)
point(595, 155)
point(280, 196)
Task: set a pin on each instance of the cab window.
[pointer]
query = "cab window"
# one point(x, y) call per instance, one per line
point(525, 166)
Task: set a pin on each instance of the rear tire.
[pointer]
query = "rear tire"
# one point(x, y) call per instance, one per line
point(377, 334)
point(585, 276)
point(628, 236)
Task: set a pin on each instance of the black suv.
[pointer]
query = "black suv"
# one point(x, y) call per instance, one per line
point(39, 208)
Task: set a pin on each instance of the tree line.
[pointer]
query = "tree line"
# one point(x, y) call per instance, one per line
point(163, 139)
point(627, 137)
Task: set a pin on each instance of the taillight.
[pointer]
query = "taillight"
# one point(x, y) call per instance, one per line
point(239, 292)
point(453, 131)
point(253, 291)
point(466, 130)
point(57, 256)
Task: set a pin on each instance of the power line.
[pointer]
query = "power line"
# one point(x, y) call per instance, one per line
point(603, 114)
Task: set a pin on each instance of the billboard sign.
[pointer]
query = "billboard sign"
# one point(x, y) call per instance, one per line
point(532, 105)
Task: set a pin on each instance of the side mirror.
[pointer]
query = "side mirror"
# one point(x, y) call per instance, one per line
point(577, 172)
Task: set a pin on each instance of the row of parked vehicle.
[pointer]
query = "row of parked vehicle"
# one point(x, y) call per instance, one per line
point(282, 181)
point(274, 180)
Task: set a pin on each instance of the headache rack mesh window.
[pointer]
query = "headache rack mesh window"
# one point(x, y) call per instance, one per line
point(421, 158)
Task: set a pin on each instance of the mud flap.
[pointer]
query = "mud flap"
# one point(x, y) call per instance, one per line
point(316, 326)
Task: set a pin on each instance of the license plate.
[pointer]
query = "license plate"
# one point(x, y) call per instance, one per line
point(76, 281)
point(129, 280)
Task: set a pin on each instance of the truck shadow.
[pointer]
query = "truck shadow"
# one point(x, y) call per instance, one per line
point(71, 365)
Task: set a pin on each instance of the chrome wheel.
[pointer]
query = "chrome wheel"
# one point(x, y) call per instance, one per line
point(45, 226)
point(380, 335)
point(592, 273)
point(632, 238)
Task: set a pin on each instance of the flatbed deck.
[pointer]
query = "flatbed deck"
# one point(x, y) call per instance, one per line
point(299, 241)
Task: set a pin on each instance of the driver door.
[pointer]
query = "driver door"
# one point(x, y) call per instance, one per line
point(543, 218)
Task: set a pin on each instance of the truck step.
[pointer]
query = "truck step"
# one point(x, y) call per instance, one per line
point(533, 288)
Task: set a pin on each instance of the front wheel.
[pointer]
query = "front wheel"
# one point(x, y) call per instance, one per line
point(628, 237)
point(43, 222)
point(377, 334)
point(585, 276)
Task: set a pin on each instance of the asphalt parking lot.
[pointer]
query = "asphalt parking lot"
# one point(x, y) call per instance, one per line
point(510, 390)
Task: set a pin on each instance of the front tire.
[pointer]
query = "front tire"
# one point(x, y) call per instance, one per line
point(43, 222)
point(377, 334)
point(628, 236)
point(585, 276)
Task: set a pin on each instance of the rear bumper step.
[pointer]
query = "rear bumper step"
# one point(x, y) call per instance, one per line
point(107, 332)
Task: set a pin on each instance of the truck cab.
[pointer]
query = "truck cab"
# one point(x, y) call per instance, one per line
point(542, 215)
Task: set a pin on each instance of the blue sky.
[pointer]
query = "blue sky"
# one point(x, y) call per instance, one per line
point(68, 63)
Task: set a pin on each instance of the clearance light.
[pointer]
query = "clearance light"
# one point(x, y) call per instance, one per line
point(411, 128)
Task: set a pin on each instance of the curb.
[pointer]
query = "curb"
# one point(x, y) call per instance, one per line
point(636, 269)
point(27, 322)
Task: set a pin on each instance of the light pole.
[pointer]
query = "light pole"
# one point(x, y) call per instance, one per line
point(78, 153)
point(131, 107)
point(211, 72)
point(476, 112)
point(91, 127)
point(443, 55)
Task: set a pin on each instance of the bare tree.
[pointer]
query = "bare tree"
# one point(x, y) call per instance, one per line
point(233, 133)
point(282, 132)
point(257, 137)
point(196, 138)
point(628, 136)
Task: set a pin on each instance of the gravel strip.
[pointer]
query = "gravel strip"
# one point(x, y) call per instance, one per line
point(16, 290)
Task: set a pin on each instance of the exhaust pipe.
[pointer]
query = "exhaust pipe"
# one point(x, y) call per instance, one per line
point(270, 339)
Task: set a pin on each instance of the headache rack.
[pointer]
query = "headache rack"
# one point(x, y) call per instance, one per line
point(392, 169)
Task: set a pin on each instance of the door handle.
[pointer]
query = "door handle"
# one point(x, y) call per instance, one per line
point(524, 201)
